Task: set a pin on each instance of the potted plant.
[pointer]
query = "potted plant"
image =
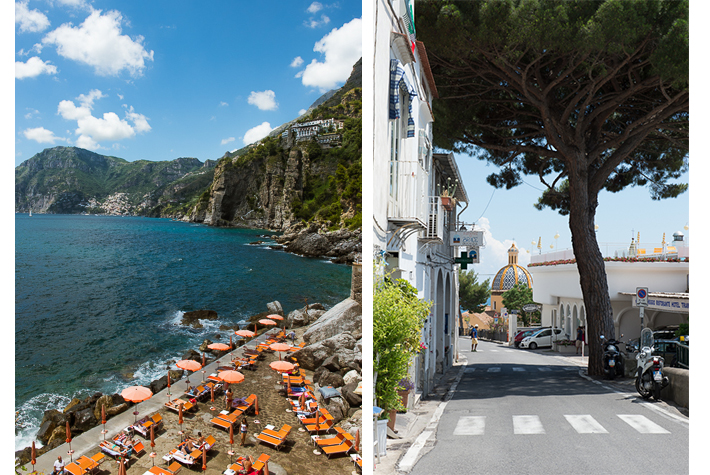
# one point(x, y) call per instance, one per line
point(446, 196)
point(405, 385)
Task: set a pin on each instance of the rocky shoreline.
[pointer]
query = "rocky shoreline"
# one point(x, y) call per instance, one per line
point(332, 354)
point(314, 240)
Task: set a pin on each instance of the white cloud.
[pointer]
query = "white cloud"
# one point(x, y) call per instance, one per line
point(302, 111)
point(223, 104)
point(264, 100)
point(312, 23)
point(342, 48)
point(227, 140)
point(92, 130)
point(41, 135)
point(98, 42)
point(257, 133)
point(495, 254)
point(315, 7)
point(31, 21)
point(297, 61)
point(33, 68)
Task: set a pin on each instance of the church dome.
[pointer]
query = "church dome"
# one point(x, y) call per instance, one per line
point(512, 274)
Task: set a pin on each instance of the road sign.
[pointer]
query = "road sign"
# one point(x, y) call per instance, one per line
point(642, 296)
point(464, 260)
point(531, 307)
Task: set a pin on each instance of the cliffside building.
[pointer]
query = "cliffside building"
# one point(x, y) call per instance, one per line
point(411, 224)
point(325, 131)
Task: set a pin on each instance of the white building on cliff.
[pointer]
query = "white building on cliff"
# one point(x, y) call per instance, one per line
point(411, 225)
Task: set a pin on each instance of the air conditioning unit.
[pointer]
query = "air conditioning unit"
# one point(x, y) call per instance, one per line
point(435, 222)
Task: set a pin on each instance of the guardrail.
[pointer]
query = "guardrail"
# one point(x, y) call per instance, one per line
point(682, 353)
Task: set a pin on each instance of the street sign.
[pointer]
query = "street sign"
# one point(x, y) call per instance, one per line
point(642, 296)
point(531, 307)
point(475, 255)
point(464, 260)
point(467, 238)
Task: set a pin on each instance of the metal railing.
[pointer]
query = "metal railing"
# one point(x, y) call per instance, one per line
point(682, 353)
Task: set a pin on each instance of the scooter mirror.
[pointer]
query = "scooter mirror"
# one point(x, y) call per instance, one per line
point(601, 336)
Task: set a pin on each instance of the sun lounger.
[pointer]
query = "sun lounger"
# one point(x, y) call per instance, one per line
point(357, 460)
point(261, 461)
point(343, 448)
point(113, 450)
point(209, 442)
point(87, 465)
point(173, 469)
point(183, 458)
point(325, 442)
point(73, 468)
point(275, 438)
point(174, 405)
point(223, 421)
point(320, 427)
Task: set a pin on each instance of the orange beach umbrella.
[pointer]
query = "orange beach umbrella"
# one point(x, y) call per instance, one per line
point(136, 393)
point(266, 321)
point(231, 376)
point(188, 365)
point(244, 333)
point(279, 347)
point(219, 346)
point(282, 366)
point(275, 317)
point(34, 456)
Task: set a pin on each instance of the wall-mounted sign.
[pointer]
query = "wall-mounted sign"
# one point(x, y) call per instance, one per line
point(467, 238)
point(531, 307)
point(474, 255)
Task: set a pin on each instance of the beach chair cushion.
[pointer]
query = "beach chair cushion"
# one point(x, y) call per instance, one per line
point(74, 469)
point(275, 441)
point(329, 391)
point(342, 448)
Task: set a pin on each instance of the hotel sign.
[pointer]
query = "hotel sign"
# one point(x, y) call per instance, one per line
point(467, 238)
point(666, 304)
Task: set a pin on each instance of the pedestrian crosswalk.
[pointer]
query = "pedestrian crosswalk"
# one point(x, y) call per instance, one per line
point(518, 369)
point(533, 424)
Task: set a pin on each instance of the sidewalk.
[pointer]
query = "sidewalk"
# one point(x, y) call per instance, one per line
point(415, 426)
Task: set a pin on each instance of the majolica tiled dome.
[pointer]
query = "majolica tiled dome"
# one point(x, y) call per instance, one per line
point(512, 274)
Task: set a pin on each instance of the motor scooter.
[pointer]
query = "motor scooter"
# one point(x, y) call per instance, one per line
point(649, 368)
point(613, 363)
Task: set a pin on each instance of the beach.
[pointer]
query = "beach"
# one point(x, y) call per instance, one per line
point(298, 456)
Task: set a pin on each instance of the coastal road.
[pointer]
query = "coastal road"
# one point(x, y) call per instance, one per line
point(531, 412)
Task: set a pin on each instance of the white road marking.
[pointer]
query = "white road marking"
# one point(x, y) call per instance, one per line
point(544, 369)
point(527, 425)
point(470, 425)
point(469, 370)
point(642, 424)
point(585, 424)
point(495, 369)
point(517, 368)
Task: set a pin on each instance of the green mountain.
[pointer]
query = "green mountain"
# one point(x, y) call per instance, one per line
point(74, 180)
point(308, 170)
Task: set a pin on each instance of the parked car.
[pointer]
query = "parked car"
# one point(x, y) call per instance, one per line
point(540, 338)
point(522, 334)
point(666, 349)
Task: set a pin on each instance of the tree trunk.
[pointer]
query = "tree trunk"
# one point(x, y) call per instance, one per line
point(590, 265)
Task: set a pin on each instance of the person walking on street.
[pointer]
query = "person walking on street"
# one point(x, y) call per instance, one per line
point(580, 340)
point(474, 337)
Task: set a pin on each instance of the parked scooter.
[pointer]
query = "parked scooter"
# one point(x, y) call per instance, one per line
point(613, 363)
point(649, 369)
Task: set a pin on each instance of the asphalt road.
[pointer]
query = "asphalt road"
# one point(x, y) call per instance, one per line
point(530, 412)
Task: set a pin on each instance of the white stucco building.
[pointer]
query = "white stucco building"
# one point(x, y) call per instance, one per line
point(410, 223)
point(664, 270)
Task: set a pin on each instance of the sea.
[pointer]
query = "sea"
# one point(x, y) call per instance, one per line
point(99, 299)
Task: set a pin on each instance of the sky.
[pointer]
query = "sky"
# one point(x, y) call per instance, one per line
point(508, 216)
point(160, 80)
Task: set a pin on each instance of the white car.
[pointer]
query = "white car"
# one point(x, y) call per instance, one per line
point(540, 338)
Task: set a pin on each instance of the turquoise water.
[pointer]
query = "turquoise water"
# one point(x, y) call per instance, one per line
point(98, 299)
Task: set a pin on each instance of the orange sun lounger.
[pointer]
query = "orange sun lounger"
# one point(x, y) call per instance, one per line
point(343, 448)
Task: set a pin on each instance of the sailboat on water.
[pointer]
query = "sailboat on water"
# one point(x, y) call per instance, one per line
point(30, 212)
